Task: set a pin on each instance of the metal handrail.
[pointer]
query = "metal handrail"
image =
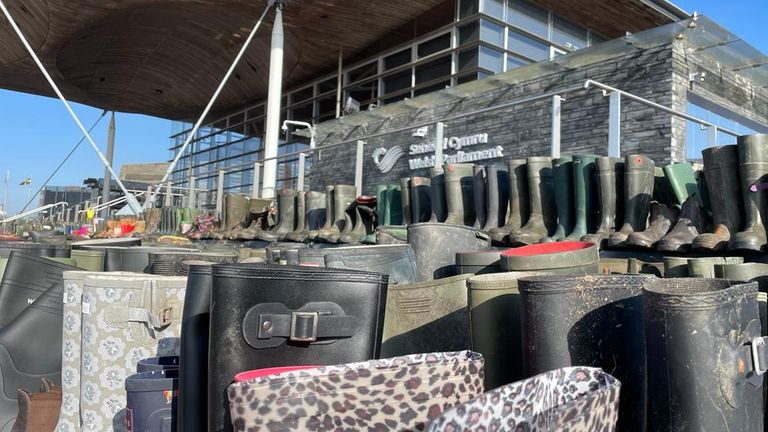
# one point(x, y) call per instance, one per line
point(605, 87)
point(33, 211)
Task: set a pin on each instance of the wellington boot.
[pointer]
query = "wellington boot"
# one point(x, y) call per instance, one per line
point(753, 168)
point(459, 198)
point(584, 196)
point(519, 209)
point(638, 186)
point(314, 217)
point(301, 211)
point(721, 169)
point(690, 223)
point(480, 195)
point(543, 219)
point(325, 230)
point(286, 216)
point(437, 195)
point(497, 177)
point(236, 211)
point(704, 267)
point(179, 217)
point(381, 204)
point(152, 218)
point(436, 245)
point(749, 272)
point(354, 227)
point(662, 218)
point(421, 207)
point(562, 172)
point(405, 201)
point(682, 182)
point(610, 179)
point(393, 212)
point(343, 196)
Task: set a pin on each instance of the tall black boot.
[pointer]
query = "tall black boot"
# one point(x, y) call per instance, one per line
point(638, 183)
point(543, 219)
point(721, 170)
point(753, 167)
point(325, 230)
point(562, 173)
point(498, 196)
point(421, 206)
point(405, 200)
point(610, 181)
point(437, 198)
point(268, 316)
point(519, 208)
point(480, 195)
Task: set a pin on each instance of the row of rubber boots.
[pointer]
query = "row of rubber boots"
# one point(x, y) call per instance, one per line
point(169, 220)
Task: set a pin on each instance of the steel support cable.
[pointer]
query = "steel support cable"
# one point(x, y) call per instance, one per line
point(130, 199)
point(71, 152)
point(190, 136)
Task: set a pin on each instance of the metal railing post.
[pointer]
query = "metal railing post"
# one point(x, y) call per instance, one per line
point(256, 180)
point(359, 168)
point(614, 125)
point(556, 107)
point(302, 165)
point(69, 215)
point(168, 195)
point(77, 213)
point(148, 200)
point(220, 194)
point(712, 138)
point(439, 137)
point(192, 199)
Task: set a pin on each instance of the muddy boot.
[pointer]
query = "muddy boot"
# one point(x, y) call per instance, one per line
point(519, 209)
point(286, 216)
point(609, 170)
point(662, 218)
point(436, 245)
point(480, 195)
point(459, 198)
point(421, 208)
point(638, 183)
point(325, 230)
point(152, 218)
point(594, 321)
point(497, 178)
point(314, 217)
point(236, 211)
point(300, 216)
point(405, 200)
point(753, 168)
point(749, 272)
point(584, 194)
point(682, 182)
point(354, 230)
point(393, 211)
point(437, 195)
point(562, 173)
point(700, 335)
point(690, 223)
point(343, 196)
point(543, 219)
point(395, 261)
point(721, 170)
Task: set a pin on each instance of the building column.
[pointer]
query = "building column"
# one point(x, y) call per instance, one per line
point(273, 103)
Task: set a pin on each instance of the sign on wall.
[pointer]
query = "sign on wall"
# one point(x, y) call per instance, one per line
point(455, 150)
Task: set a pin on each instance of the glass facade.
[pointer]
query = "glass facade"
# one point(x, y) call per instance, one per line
point(486, 37)
point(696, 139)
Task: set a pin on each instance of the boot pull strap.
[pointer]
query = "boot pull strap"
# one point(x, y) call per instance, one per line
point(757, 359)
point(157, 311)
point(269, 325)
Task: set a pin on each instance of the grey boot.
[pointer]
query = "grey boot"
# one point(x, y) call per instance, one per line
point(480, 195)
point(543, 220)
point(343, 197)
point(610, 192)
point(519, 208)
point(753, 164)
point(437, 198)
point(562, 172)
point(662, 218)
point(459, 183)
point(584, 194)
point(286, 217)
point(638, 183)
point(498, 196)
point(325, 231)
point(721, 170)
point(690, 223)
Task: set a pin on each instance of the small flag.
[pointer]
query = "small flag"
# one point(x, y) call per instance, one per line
point(27, 181)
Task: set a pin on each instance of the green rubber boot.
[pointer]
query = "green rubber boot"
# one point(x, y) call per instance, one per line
point(682, 182)
point(459, 196)
point(753, 166)
point(543, 217)
point(584, 196)
point(562, 172)
point(393, 213)
point(639, 177)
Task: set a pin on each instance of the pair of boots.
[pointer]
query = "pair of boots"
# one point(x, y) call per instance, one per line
point(575, 190)
point(416, 199)
point(452, 190)
point(338, 199)
point(310, 217)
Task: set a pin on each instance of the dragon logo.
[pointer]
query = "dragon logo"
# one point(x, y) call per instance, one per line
point(385, 159)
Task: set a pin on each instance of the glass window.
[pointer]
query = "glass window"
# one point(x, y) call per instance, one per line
point(528, 17)
point(494, 8)
point(326, 106)
point(363, 72)
point(235, 149)
point(432, 88)
point(255, 128)
point(236, 119)
point(491, 59)
point(492, 33)
point(696, 139)
point(434, 45)
point(514, 62)
point(327, 85)
point(397, 59)
point(302, 95)
point(468, 59)
point(219, 125)
point(469, 33)
point(221, 138)
point(467, 78)
point(364, 92)
point(396, 82)
point(256, 111)
point(467, 8)
point(433, 70)
point(568, 34)
point(252, 144)
point(302, 112)
point(526, 46)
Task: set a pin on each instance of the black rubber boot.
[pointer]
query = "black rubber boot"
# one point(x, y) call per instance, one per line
point(498, 196)
point(699, 335)
point(152, 401)
point(610, 182)
point(749, 272)
point(29, 349)
point(519, 209)
point(543, 219)
point(562, 173)
point(301, 210)
point(286, 217)
point(393, 214)
point(343, 197)
point(314, 218)
point(592, 321)
point(638, 183)
point(421, 206)
point(157, 364)
point(396, 261)
point(25, 279)
point(584, 196)
point(661, 221)
point(721, 170)
point(753, 168)
point(436, 245)
point(405, 200)
point(268, 316)
point(325, 230)
point(480, 195)
point(690, 223)
point(437, 195)
point(459, 195)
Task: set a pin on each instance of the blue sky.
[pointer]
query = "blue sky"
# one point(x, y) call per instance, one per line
point(36, 133)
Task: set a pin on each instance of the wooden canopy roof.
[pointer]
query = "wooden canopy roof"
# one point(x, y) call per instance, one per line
point(165, 57)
